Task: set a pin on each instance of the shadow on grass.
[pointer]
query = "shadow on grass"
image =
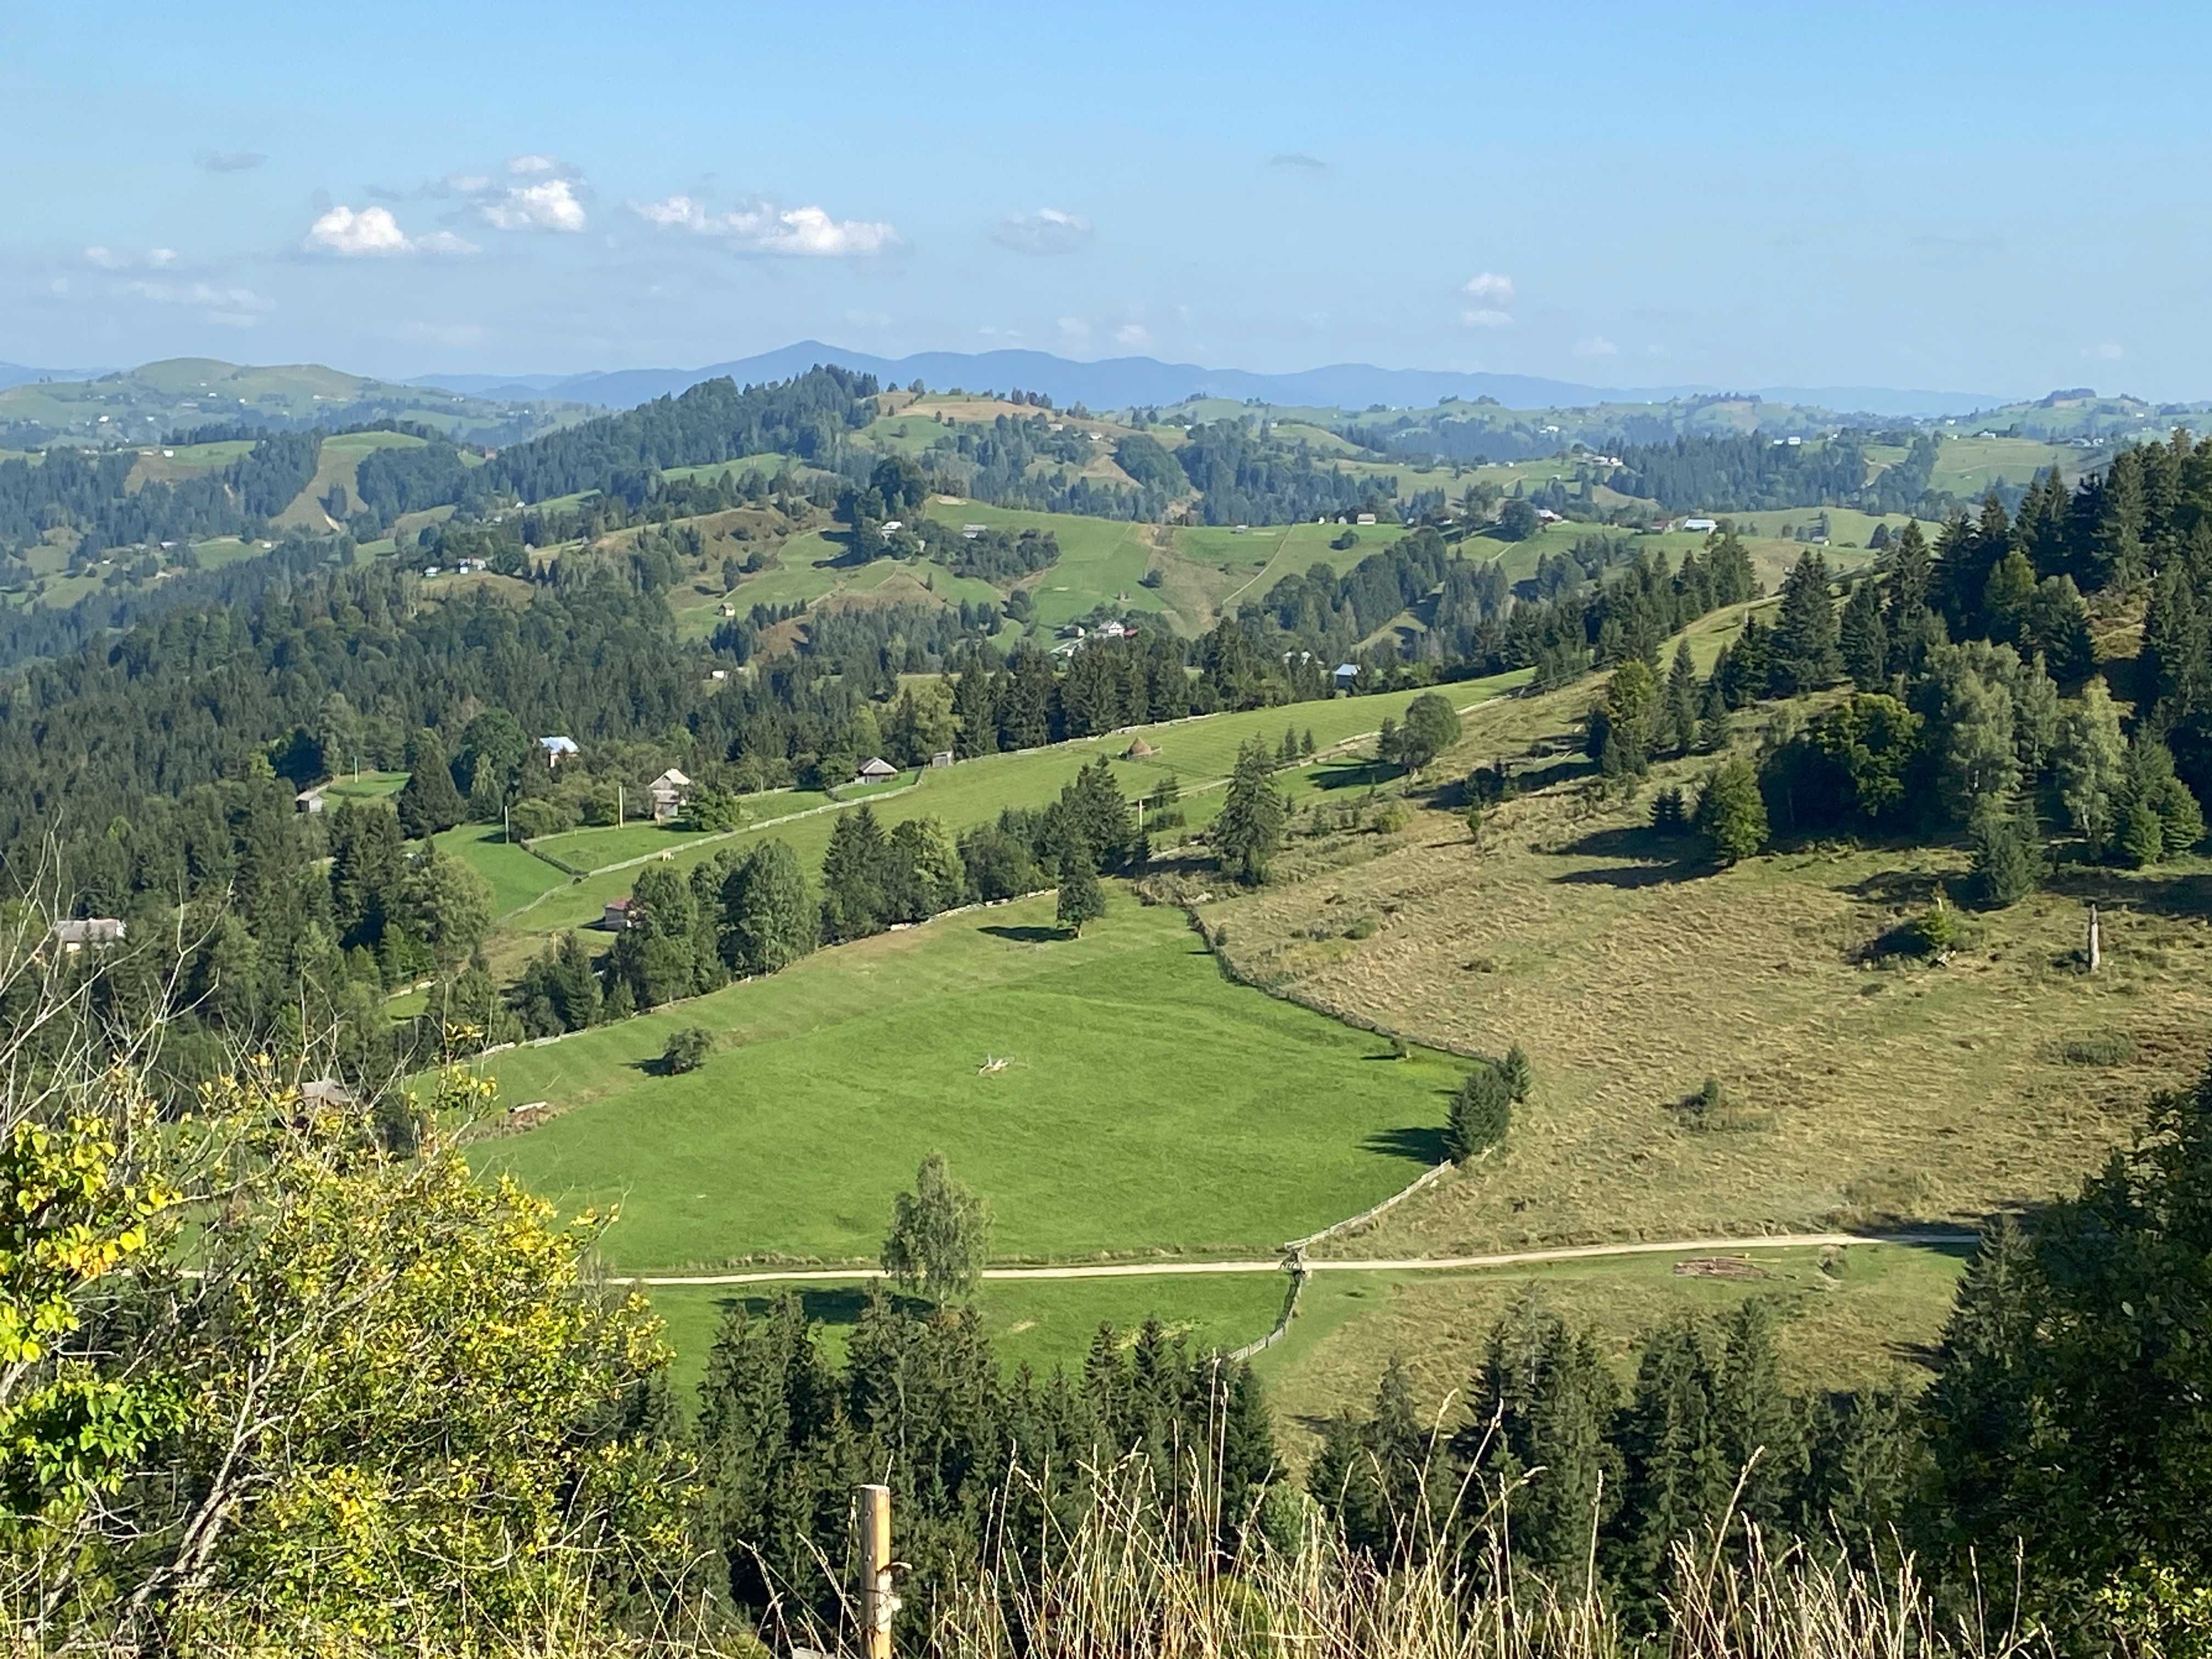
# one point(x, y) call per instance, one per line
point(2187, 896)
point(1331, 776)
point(1424, 1144)
point(1028, 935)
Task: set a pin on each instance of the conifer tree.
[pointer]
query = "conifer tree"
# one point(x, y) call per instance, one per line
point(1080, 899)
point(1806, 657)
point(428, 802)
point(1246, 834)
point(1731, 814)
point(1481, 1112)
point(2007, 851)
point(1679, 723)
point(1862, 641)
point(768, 921)
point(852, 876)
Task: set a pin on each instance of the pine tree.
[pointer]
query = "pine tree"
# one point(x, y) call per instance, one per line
point(1519, 1077)
point(1080, 899)
point(768, 921)
point(1731, 813)
point(1540, 1413)
point(852, 876)
point(1481, 1113)
point(1861, 641)
point(1680, 724)
point(1669, 813)
point(428, 802)
point(1246, 834)
point(1806, 657)
point(2008, 852)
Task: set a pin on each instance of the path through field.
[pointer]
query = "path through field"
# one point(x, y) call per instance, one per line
point(1407, 1264)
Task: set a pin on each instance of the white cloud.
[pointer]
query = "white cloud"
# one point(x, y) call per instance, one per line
point(550, 204)
point(533, 164)
point(2109, 351)
point(990, 332)
point(1595, 345)
point(232, 306)
point(156, 258)
point(371, 233)
point(1135, 336)
point(1485, 317)
point(759, 225)
point(1047, 231)
point(1074, 328)
point(1490, 288)
point(236, 160)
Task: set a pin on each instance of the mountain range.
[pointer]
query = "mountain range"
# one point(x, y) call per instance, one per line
point(1122, 382)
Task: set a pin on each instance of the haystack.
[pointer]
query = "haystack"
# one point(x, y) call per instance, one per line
point(1138, 749)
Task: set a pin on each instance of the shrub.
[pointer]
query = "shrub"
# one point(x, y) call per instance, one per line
point(2100, 1049)
point(1364, 928)
point(1481, 1112)
point(1937, 931)
point(686, 1050)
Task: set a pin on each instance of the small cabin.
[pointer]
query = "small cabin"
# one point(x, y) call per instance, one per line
point(875, 770)
point(556, 750)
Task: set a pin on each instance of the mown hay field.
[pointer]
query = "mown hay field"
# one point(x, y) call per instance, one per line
point(1142, 1105)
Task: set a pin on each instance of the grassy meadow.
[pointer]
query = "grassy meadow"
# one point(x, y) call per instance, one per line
point(1198, 751)
point(1867, 1090)
point(1147, 1105)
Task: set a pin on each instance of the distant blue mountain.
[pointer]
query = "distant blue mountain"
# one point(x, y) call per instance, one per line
point(1119, 382)
point(17, 374)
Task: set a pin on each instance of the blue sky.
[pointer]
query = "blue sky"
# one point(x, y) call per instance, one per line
point(1976, 197)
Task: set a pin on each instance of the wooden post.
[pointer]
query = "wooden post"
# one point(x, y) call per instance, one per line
point(878, 1603)
point(2096, 941)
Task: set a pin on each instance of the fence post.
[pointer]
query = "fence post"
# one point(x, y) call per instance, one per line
point(878, 1603)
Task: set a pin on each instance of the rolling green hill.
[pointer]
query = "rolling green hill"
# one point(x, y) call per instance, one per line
point(157, 399)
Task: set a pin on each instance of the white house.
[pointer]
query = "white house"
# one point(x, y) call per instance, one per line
point(557, 750)
point(875, 770)
point(1365, 518)
point(93, 932)
point(667, 793)
point(1700, 526)
point(1347, 674)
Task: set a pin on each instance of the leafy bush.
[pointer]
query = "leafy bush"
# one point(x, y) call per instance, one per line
point(686, 1051)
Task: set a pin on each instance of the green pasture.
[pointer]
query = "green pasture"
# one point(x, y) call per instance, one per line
point(1198, 751)
point(369, 786)
point(1145, 1105)
point(594, 849)
point(517, 879)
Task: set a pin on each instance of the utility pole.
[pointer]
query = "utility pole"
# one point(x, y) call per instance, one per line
point(877, 1601)
point(618, 807)
point(2096, 941)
